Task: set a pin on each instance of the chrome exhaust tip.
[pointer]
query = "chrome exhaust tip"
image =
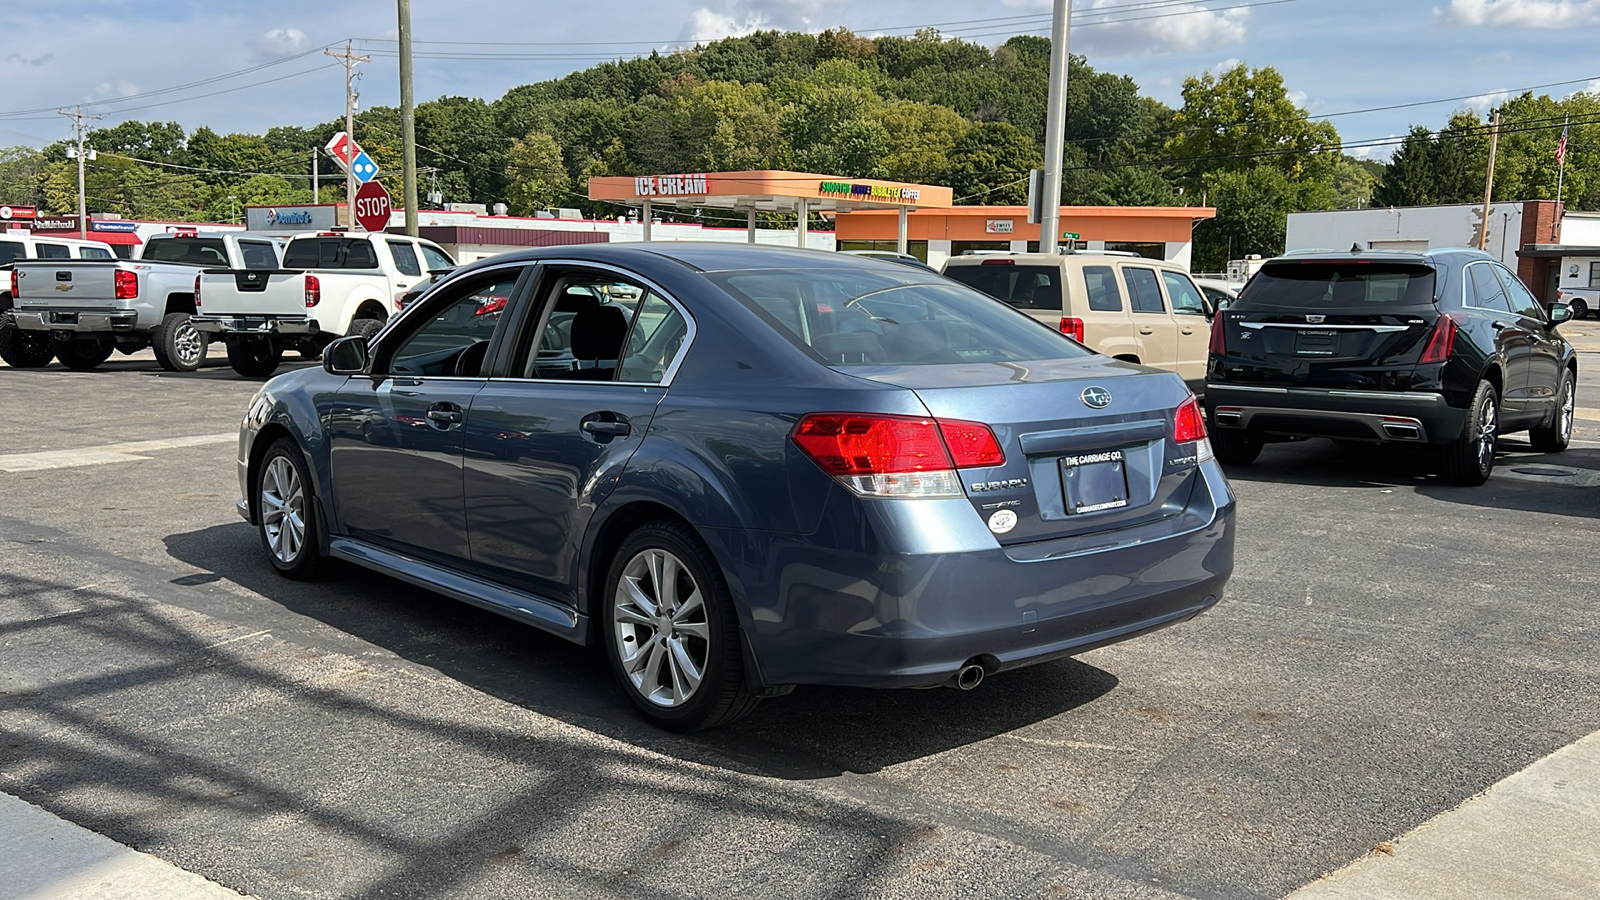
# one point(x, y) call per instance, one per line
point(968, 677)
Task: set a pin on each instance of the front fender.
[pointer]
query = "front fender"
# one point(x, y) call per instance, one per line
point(294, 404)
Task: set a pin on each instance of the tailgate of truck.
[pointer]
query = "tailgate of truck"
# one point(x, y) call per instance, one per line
point(68, 284)
point(252, 292)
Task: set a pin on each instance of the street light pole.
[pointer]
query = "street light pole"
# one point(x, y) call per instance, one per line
point(1055, 124)
point(408, 123)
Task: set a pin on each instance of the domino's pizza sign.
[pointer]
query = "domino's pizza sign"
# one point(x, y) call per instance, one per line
point(289, 218)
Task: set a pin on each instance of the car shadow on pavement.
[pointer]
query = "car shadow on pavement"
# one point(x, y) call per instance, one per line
point(1523, 480)
point(815, 732)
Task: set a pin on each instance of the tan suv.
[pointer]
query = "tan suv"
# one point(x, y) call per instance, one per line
point(1142, 310)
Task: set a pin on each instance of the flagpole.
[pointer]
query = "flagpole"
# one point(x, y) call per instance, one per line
point(1561, 162)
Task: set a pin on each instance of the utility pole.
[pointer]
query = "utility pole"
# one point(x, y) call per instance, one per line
point(350, 60)
point(408, 123)
point(1055, 124)
point(79, 151)
point(314, 184)
point(1488, 180)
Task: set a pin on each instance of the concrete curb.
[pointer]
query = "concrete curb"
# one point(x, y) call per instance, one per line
point(1533, 834)
point(48, 858)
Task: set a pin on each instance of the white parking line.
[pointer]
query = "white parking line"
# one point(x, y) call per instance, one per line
point(108, 453)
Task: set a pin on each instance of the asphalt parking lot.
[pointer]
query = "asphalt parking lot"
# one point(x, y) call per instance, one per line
point(1389, 647)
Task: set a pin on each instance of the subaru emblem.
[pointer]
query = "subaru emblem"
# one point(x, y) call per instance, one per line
point(1095, 397)
point(1316, 320)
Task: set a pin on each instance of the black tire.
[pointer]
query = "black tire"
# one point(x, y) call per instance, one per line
point(254, 357)
point(365, 327)
point(1235, 447)
point(300, 558)
point(178, 345)
point(721, 696)
point(83, 354)
point(1469, 459)
point(1557, 436)
point(24, 349)
point(1579, 306)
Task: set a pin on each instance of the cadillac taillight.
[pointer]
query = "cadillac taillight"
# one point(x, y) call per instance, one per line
point(1440, 342)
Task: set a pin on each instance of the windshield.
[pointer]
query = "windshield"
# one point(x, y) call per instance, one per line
point(195, 251)
point(1338, 285)
point(1025, 287)
point(855, 317)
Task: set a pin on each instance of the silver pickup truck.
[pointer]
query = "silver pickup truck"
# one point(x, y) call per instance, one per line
point(87, 309)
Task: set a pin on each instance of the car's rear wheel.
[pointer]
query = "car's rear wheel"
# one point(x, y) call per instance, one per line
point(24, 349)
point(1579, 306)
point(1557, 436)
point(254, 357)
point(178, 345)
point(365, 327)
point(1469, 459)
point(1235, 447)
point(671, 632)
point(83, 354)
point(287, 521)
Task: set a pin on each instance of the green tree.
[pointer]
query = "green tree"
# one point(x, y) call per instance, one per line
point(536, 175)
point(918, 139)
point(1243, 119)
point(22, 171)
point(990, 164)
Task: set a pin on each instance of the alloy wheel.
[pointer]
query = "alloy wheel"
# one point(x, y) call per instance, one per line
point(663, 637)
point(283, 509)
point(188, 343)
point(1487, 423)
point(1564, 417)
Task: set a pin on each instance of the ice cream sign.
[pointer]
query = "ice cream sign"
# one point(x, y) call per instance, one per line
point(882, 193)
point(669, 185)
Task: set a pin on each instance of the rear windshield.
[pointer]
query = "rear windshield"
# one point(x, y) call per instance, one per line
point(1025, 287)
point(196, 250)
point(854, 317)
point(330, 253)
point(1338, 286)
point(11, 251)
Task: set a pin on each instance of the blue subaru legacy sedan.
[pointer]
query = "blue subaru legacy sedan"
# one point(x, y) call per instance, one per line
point(739, 469)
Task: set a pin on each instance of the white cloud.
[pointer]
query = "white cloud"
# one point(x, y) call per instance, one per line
point(1101, 28)
point(1592, 87)
point(113, 90)
point(1483, 102)
point(277, 43)
point(741, 17)
point(1522, 13)
point(1228, 64)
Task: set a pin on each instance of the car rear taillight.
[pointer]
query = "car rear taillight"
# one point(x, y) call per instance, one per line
point(896, 456)
point(1072, 328)
point(1189, 426)
point(197, 292)
point(1440, 342)
point(125, 284)
point(1219, 336)
point(16, 285)
point(313, 291)
point(972, 444)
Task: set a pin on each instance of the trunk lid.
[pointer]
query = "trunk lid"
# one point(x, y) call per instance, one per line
point(1334, 324)
point(1064, 457)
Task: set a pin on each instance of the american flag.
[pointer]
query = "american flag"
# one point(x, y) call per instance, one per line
point(1561, 149)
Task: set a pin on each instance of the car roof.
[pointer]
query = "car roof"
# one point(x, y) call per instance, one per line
point(702, 256)
point(1045, 259)
point(1426, 257)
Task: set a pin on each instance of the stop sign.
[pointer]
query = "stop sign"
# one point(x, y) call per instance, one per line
point(372, 206)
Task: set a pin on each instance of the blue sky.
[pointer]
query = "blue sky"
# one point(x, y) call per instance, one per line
point(1335, 55)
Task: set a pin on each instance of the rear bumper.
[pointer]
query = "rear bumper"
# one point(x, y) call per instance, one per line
point(824, 616)
point(247, 325)
point(76, 321)
point(1399, 417)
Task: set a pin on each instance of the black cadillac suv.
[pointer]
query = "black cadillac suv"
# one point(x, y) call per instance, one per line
point(1446, 349)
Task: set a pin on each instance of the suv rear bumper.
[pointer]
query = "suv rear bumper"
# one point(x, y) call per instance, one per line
point(1394, 416)
point(255, 324)
point(96, 322)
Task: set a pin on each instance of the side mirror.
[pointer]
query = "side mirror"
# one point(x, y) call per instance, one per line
point(1559, 312)
point(347, 356)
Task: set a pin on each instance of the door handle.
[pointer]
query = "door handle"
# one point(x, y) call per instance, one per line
point(1146, 329)
point(444, 414)
point(614, 429)
point(1497, 326)
point(1188, 330)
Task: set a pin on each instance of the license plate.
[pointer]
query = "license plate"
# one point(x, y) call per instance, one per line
point(1316, 344)
point(1094, 481)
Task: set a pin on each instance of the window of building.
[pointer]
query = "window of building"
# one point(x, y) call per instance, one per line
point(1148, 251)
point(1594, 274)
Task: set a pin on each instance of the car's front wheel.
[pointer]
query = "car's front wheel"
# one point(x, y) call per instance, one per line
point(287, 522)
point(671, 632)
point(1469, 459)
point(83, 354)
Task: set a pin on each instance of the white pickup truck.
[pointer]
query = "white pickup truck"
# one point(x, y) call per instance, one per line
point(331, 284)
point(79, 311)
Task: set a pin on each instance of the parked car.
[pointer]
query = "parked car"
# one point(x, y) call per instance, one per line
point(1218, 291)
point(331, 284)
point(86, 309)
point(1141, 310)
point(738, 469)
point(1581, 300)
point(21, 349)
point(1445, 349)
point(893, 256)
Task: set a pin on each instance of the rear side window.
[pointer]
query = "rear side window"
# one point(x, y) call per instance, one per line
point(1025, 287)
point(10, 251)
point(405, 258)
point(197, 251)
point(853, 317)
point(1144, 290)
point(52, 251)
point(1338, 285)
point(330, 253)
point(258, 255)
point(1101, 284)
point(1486, 291)
point(94, 253)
